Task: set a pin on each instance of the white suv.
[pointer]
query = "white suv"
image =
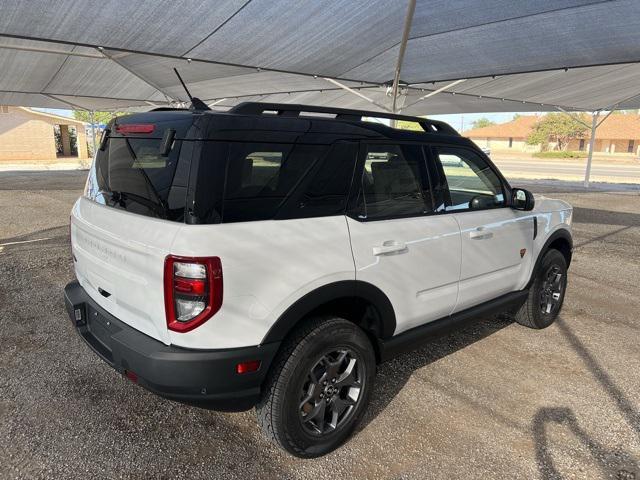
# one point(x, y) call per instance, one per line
point(272, 255)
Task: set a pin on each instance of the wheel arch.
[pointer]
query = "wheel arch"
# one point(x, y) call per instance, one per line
point(560, 240)
point(360, 302)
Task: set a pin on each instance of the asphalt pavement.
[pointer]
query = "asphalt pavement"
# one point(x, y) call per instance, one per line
point(494, 400)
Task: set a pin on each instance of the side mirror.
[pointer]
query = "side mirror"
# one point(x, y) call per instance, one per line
point(522, 199)
point(480, 202)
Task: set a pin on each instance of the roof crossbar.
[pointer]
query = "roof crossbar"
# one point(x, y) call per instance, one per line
point(293, 110)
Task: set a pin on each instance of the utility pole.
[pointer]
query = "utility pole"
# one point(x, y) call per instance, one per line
point(592, 142)
point(93, 132)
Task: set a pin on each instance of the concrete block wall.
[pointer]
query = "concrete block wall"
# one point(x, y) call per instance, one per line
point(22, 137)
point(29, 136)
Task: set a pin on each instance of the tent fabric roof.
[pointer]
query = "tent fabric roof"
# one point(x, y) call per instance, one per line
point(614, 127)
point(118, 53)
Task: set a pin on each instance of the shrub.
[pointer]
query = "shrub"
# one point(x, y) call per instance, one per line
point(560, 154)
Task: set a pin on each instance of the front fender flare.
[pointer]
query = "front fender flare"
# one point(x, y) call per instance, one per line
point(559, 233)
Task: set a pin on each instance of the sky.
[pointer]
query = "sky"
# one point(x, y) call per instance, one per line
point(460, 122)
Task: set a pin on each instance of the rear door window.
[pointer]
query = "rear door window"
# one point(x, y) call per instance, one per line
point(260, 177)
point(325, 189)
point(393, 183)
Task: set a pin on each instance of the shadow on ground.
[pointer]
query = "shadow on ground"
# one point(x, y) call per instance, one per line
point(612, 462)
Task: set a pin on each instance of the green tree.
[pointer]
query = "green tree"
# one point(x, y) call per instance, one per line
point(482, 122)
point(559, 128)
point(99, 117)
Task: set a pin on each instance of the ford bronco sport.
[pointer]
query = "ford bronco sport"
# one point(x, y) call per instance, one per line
point(270, 256)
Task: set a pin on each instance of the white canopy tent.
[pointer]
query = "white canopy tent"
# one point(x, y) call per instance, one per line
point(423, 57)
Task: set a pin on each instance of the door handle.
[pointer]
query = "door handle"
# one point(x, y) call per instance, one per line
point(480, 233)
point(389, 247)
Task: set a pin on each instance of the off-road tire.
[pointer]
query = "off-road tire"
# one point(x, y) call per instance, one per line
point(278, 411)
point(531, 313)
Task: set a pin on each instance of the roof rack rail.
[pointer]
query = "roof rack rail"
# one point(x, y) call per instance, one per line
point(293, 110)
point(166, 109)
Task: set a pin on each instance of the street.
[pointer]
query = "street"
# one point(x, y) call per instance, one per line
point(567, 169)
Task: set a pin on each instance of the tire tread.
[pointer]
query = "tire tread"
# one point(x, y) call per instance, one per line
point(274, 386)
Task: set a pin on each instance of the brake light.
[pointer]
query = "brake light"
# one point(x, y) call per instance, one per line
point(192, 291)
point(135, 128)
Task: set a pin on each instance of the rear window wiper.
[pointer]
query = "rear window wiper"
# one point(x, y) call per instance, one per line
point(119, 197)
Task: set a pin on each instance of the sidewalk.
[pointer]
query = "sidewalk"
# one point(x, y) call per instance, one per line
point(598, 158)
point(45, 165)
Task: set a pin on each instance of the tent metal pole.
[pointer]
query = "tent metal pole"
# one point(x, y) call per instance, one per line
point(53, 97)
point(355, 92)
point(592, 141)
point(52, 51)
point(442, 89)
point(93, 131)
point(403, 47)
point(116, 60)
point(217, 102)
point(576, 118)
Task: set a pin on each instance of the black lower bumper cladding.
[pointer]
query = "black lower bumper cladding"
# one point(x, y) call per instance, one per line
point(205, 378)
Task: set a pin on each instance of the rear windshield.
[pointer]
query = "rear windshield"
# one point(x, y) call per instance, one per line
point(132, 174)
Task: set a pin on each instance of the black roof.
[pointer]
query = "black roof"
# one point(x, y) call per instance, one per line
point(298, 119)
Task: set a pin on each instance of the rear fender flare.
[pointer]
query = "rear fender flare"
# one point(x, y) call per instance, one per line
point(343, 290)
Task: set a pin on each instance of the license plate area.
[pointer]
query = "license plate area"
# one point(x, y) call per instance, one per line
point(98, 333)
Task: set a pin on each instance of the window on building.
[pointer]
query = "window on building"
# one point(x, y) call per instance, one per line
point(581, 146)
point(510, 142)
point(631, 146)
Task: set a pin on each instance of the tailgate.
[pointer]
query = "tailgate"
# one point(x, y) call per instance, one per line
point(119, 261)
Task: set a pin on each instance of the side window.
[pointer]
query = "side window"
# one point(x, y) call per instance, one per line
point(260, 177)
point(471, 181)
point(392, 183)
point(325, 189)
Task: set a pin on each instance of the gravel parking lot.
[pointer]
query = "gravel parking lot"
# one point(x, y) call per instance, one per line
point(494, 400)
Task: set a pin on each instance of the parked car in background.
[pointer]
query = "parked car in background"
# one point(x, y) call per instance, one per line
point(270, 257)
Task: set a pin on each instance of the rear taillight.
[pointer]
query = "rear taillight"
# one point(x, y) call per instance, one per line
point(192, 291)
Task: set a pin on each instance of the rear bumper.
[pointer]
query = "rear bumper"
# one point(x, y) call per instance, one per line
point(205, 378)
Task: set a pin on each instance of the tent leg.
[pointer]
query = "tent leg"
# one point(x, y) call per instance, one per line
point(93, 132)
point(403, 46)
point(592, 141)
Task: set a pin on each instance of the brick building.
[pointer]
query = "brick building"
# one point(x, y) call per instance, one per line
point(28, 135)
point(618, 134)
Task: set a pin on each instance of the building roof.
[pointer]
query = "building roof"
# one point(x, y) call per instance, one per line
point(64, 120)
point(519, 127)
point(615, 127)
